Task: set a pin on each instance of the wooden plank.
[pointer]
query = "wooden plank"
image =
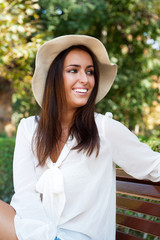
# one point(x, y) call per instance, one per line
point(122, 175)
point(125, 236)
point(137, 189)
point(139, 224)
point(136, 205)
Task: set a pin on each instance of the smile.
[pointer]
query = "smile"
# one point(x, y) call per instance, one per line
point(80, 90)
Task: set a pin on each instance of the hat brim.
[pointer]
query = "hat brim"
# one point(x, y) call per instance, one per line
point(49, 50)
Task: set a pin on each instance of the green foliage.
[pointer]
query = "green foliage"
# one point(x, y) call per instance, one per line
point(73, 16)
point(153, 142)
point(6, 158)
point(125, 27)
point(18, 44)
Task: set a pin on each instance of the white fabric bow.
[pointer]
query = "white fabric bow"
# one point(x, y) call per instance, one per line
point(51, 185)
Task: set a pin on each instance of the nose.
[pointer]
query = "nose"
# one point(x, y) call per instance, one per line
point(83, 77)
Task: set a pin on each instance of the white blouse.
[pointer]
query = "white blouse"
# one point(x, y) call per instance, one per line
point(75, 198)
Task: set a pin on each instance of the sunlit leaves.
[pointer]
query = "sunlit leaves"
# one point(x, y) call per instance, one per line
point(19, 40)
point(128, 28)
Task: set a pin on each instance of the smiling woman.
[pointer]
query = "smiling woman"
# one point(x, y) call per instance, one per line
point(64, 160)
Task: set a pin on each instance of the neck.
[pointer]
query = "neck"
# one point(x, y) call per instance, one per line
point(67, 119)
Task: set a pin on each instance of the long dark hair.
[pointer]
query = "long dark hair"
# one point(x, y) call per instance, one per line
point(49, 129)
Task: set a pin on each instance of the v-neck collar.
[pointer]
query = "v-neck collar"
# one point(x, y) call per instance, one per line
point(64, 153)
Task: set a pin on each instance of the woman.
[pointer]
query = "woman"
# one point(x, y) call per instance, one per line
point(64, 160)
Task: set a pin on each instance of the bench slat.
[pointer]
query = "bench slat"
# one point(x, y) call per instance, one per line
point(136, 205)
point(137, 189)
point(142, 225)
point(123, 176)
point(124, 236)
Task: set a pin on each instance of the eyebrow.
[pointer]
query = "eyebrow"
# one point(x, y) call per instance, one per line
point(75, 65)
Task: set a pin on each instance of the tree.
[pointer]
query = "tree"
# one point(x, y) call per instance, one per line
point(18, 43)
point(124, 26)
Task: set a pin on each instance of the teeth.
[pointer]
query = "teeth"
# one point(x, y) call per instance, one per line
point(80, 90)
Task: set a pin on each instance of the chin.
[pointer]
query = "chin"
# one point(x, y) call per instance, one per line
point(82, 104)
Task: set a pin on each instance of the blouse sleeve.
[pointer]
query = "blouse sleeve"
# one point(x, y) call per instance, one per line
point(136, 158)
point(31, 222)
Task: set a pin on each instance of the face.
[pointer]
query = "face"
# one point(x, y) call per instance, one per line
point(78, 77)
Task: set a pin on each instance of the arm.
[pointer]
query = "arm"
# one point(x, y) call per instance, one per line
point(31, 222)
point(136, 158)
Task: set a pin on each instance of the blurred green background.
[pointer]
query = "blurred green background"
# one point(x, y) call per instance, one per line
point(130, 30)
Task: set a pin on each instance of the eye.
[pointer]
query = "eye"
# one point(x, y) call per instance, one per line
point(90, 72)
point(73, 70)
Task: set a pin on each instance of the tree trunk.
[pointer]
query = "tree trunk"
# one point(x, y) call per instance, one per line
point(5, 107)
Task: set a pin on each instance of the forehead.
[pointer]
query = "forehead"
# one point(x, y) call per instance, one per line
point(78, 56)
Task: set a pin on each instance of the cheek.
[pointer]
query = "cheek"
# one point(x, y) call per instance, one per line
point(92, 83)
point(68, 80)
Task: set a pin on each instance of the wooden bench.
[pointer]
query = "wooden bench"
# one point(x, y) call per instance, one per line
point(138, 208)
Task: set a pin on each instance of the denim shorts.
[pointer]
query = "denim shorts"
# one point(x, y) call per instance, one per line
point(56, 238)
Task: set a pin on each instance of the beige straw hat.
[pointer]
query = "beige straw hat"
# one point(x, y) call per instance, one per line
point(49, 50)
